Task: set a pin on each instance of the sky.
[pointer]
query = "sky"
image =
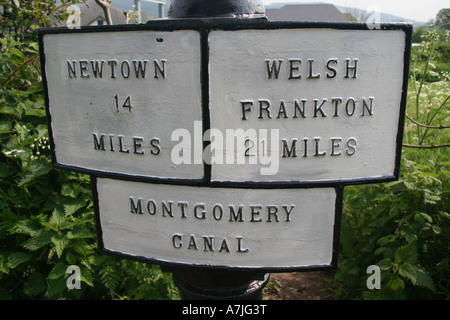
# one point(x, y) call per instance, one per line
point(419, 10)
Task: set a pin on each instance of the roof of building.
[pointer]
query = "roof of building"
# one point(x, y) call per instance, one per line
point(92, 12)
point(307, 13)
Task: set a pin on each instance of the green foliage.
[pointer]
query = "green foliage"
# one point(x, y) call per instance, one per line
point(443, 19)
point(47, 219)
point(403, 227)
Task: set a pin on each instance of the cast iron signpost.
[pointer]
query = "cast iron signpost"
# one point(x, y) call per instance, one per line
point(226, 143)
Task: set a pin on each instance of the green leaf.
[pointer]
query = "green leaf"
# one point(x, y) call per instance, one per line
point(35, 284)
point(424, 280)
point(80, 232)
point(407, 254)
point(385, 264)
point(6, 171)
point(408, 271)
point(58, 218)
point(39, 239)
point(397, 283)
point(59, 270)
point(72, 205)
point(17, 52)
point(56, 286)
point(35, 169)
point(87, 277)
point(60, 242)
point(17, 258)
point(30, 227)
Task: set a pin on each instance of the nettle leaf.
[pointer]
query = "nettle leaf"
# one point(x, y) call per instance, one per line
point(397, 283)
point(408, 271)
point(72, 205)
point(35, 284)
point(424, 279)
point(35, 169)
point(407, 254)
point(39, 239)
point(69, 191)
point(30, 227)
point(80, 232)
point(6, 171)
point(59, 270)
point(385, 264)
point(17, 258)
point(58, 220)
point(87, 277)
point(60, 241)
point(56, 286)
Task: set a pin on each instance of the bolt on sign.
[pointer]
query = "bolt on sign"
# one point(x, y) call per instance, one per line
point(226, 142)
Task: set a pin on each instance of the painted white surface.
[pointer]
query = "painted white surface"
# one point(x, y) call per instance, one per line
point(238, 72)
point(306, 240)
point(81, 106)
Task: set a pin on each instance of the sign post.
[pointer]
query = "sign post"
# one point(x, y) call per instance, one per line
point(220, 148)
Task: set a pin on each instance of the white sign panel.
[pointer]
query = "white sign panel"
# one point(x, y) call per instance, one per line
point(291, 228)
point(306, 105)
point(115, 98)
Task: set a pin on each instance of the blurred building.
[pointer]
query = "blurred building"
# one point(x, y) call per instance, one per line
point(308, 13)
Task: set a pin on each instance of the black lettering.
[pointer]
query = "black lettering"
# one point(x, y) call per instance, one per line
point(125, 69)
point(237, 216)
point(351, 143)
point(140, 67)
point(255, 212)
point(294, 65)
point(272, 211)
point(113, 63)
point(369, 106)
point(297, 107)
point(156, 148)
point(136, 207)
point(246, 107)
point(333, 70)
point(208, 243)
point(289, 152)
point(352, 68)
point(281, 110)
point(71, 67)
point(318, 153)
point(310, 75)
point(335, 143)
point(160, 68)
point(167, 208)
point(176, 241)
point(137, 143)
point(273, 69)
point(318, 108)
point(83, 68)
point(264, 105)
point(96, 69)
point(99, 144)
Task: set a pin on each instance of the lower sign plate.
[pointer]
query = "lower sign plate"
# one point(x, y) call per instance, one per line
point(287, 229)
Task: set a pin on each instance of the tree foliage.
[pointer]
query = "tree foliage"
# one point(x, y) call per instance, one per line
point(46, 215)
point(403, 227)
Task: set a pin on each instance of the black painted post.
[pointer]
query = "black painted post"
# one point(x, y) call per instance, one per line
point(216, 8)
point(213, 284)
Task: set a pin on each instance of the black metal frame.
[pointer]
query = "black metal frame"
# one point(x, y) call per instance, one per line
point(204, 26)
